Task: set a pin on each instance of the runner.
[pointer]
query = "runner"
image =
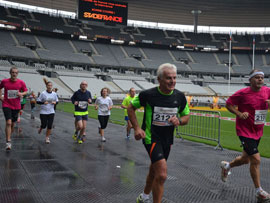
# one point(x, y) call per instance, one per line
point(104, 105)
point(81, 98)
point(47, 100)
point(14, 90)
point(55, 90)
point(125, 103)
point(95, 98)
point(252, 103)
point(33, 101)
point(164, 109)
point(23, 102)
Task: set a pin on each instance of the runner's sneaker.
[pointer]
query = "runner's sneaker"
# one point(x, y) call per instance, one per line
point(224, 171)
point(8, 146)
point(74, 136)
point(263, 197)
point(47, 140)
point(141, 200)
point(83, 138)
point(103, 139)
point(79, 140)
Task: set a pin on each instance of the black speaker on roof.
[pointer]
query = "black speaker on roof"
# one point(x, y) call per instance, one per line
point(86, 51)
point(30, 45)
point(137, 56)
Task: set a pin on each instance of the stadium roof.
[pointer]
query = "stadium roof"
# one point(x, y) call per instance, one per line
point(240, 13)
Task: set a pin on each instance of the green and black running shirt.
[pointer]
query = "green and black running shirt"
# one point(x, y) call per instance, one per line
point(158, 109)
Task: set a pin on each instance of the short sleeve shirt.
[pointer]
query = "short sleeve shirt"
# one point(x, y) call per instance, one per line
point(49, 97)
point(255, 104)
point(11, 99)
point(158, 109)
point(126, 102)
point(103, 106)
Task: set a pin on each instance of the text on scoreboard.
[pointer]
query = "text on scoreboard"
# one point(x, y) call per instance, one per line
point(104, 10)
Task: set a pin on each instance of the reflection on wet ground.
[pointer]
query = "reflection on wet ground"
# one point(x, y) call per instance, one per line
point(114, 171)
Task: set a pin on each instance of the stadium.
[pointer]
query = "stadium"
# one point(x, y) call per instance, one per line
point(120, 45)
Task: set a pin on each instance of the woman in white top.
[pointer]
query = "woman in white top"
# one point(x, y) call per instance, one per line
point(47, 99)
point(104, 105)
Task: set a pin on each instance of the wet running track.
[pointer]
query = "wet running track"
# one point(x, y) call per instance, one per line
point(111, 172)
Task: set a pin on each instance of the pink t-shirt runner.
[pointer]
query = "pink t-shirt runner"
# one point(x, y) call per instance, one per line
point(11, 99)
point(255, 104)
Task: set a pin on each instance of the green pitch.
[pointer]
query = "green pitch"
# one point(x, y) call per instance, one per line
point(228, 138)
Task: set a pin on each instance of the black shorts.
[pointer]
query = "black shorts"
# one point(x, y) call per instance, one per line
point(103, 121)
point(33, 105)
point(46, 120)
point(22, 106)
point(10, 114)
point(158, 151)
point(250, 145)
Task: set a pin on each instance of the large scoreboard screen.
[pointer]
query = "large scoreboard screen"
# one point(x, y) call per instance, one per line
point(103, 10)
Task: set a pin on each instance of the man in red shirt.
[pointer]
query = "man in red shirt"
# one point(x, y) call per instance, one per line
point(252, 103)
point(14, 90)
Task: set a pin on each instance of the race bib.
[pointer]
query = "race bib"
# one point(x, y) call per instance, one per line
point(104, 108)
point(83, 104)
point(161, 116)
point(12, 94)
point(49, 100)
point(260, 117)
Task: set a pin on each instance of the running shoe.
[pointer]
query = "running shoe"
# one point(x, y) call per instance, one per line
point(74, 136)
point(103, 139)
point(224, 172)
point(128, 137)
point(84, 138)
point(79, 140)
point(8, 146)
point(141, 200)
point(263, 197)
point(47, 140)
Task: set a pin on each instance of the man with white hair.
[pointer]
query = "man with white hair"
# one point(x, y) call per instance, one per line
point(81, 98)
point(252, 103)
point(164, 109)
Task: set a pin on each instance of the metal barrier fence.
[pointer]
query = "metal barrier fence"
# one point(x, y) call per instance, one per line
point(202, 124)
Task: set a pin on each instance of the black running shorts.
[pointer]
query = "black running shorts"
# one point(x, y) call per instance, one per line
point(103, 121)
point(46, 120)
point(10, 114)
point(250, 145)
point(158, 151)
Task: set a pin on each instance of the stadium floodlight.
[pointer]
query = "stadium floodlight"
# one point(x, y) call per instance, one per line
point(83, 37)
point(132, 43)
point(210, 49)
point(180, 47)
point(113, 41)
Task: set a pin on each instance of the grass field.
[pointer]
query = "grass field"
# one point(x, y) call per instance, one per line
point(228, 138)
